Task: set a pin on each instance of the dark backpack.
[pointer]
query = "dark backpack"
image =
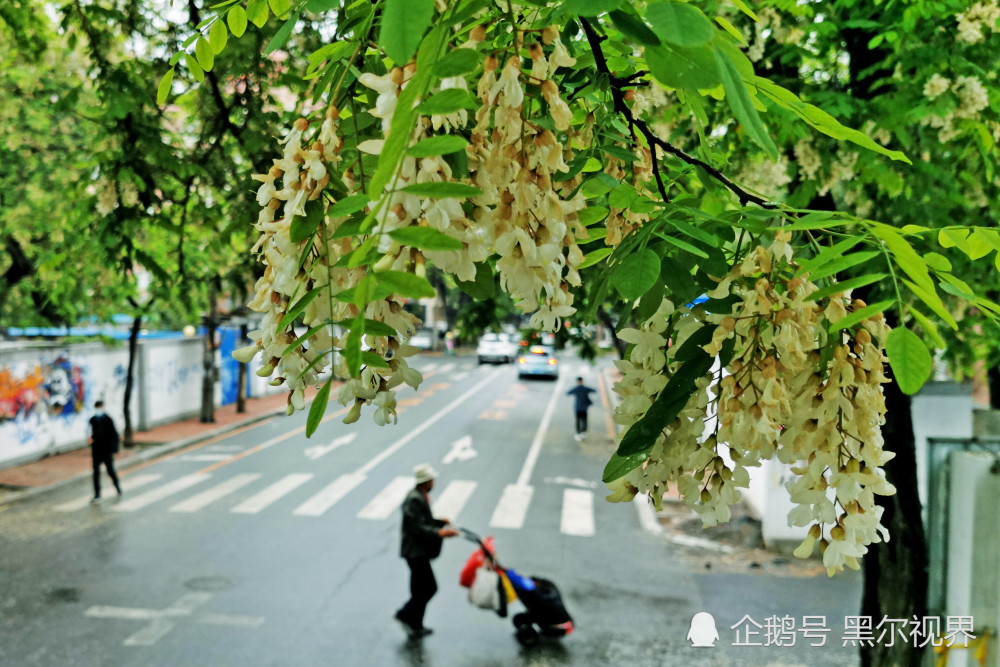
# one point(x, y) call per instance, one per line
point(105, 432)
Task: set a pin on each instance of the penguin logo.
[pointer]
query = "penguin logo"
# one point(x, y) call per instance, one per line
point(703, 632)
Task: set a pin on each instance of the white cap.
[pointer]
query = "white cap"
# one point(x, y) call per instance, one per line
point(424, 473)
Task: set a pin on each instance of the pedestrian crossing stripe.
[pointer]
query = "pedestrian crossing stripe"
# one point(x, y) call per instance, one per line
point(279, 489)
point(129, 483)
point(577, 518)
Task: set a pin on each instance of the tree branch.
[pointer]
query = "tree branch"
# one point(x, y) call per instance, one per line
point(618, 100)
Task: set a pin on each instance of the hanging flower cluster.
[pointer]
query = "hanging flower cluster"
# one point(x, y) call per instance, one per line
point(790, 389)
point(517, 165)
point(309, 270)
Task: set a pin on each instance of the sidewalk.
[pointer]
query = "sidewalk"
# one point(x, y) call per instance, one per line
point(57, 470)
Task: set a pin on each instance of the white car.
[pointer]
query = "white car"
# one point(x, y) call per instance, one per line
point(496, 348)
point(423, 338)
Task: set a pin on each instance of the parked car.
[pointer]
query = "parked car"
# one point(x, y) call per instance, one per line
point(423, 338)
point(495, 348)
point(538, 361)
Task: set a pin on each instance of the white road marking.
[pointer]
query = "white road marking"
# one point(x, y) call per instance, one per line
point(460, 376)
point(159, 493)
point(162, 621)
point(388, 499)
point(330, 495)
point(313, 453)
point(206, 498)
point(447, 367)
point(224, 448)
point(396, 446)
point(428, 368)
point(512, 508)
point(461, 450)
point(128, 484)
point(203, 457)
point(282, 487)
point(536, 444)
point(453, 499)
point(572, 481)
point(577, 513)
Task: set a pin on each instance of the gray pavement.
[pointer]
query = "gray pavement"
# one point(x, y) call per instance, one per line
point(266, 548)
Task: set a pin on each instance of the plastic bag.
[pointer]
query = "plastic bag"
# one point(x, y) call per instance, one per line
point(475, 561)
point(485, 590)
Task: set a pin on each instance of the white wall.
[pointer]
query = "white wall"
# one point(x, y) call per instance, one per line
point(47, 395)
point(170, 378)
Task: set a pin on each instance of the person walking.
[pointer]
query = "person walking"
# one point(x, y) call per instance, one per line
point(421, 543)
point(581, 393)
point(449, 343)
point(103, 446)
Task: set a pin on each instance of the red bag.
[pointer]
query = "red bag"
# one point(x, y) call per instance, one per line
point(475, 561)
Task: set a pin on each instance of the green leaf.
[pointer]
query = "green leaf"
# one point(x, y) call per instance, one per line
point(280, 7)
point(930, 329)
point(906, 257)
point(739, 101)
point(619, 466)
point(634, 28)
point(641, 436)
point(483, 286)
point(844, 285)
point(425, 238)
point(448, 101)
point(348, 206)
point(692, 68)
point(377, 328)
point(636, 274)
point(257, 12)
point(352, 347)
point(743, 7)
point(844, 263)
point(731, 29)
point(861, 314)
point(595, 234)
point(320, 6)
point(909, 358)
point(594, 257)
point(304, 226)
point(821, 120)
point(691, 347)
point(443, 190)
point(218, 36)
point(932, 301)
point(318, 408)
point(196, 71)
point(372, 359)
point(176, 58)
point(299, 307)
point(403, 26)
point(685, 246)
point(828, 254)
point(405, 284)
point(203, 52)
point(592, 215)
point(456, 63)
point(237, 19)
point(679, 23)
point(590, 7)
point(163, 90)
point(442, 144)
point(304, 338)
point(280, 37)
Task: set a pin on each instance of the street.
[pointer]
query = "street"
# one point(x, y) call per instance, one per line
point(267, 548)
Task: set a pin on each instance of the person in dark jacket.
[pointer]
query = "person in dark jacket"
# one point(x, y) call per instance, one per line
point(103, 446)
point(422, 538)
point(581, 393)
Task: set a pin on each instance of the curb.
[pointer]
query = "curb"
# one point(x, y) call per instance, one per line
point(144, 456)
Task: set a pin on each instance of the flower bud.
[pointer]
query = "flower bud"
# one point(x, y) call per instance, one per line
point(302, 124)
point(355, 413)
point(245, 354)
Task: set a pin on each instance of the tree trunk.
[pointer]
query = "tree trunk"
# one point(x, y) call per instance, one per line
point(208, 363)
point(241, 377)
point(133, 354)
point(896, 571)
point(620, 346)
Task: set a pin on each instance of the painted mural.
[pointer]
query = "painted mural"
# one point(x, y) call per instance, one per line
point(57, 388)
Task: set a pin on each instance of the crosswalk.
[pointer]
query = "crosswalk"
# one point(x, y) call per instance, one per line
point(251, 493)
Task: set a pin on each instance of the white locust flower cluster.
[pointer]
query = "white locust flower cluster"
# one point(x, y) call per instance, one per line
point(516, 164)
point(972, 99)
point(623, 221)
point(298, 270)
point(790, 390)
point(976, 20)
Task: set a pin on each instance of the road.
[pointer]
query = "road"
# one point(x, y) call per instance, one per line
point(265, 548)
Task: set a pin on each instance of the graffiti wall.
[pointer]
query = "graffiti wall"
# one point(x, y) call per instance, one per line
point(47, 392)
point(47, 396)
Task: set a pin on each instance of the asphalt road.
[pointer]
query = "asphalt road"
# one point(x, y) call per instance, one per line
point(265, 548)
